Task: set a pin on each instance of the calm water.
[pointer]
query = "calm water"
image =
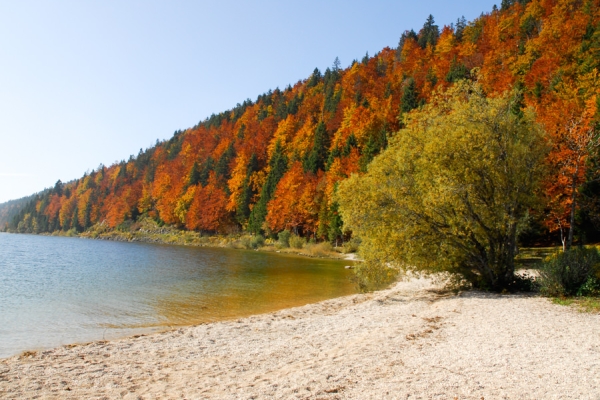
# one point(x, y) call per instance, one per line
point(56, 291)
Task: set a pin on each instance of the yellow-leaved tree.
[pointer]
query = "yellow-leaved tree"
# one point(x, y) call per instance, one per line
point(451, 191)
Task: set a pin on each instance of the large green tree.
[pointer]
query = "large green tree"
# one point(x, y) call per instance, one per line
point(452, 190)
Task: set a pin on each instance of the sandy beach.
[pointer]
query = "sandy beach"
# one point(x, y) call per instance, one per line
point(411, 341)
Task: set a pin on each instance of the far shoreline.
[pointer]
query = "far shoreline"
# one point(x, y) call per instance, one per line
point(177, 237)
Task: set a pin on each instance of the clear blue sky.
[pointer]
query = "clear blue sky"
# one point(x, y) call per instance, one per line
point(90, 82)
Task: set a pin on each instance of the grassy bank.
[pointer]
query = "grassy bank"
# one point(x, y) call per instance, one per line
point(147, 230)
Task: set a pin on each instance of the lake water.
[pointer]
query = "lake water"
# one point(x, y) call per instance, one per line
point(56, 290)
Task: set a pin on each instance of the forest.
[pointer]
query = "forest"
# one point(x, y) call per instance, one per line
point(276, 163)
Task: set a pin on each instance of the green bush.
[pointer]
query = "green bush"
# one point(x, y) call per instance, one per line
point(351, 246)
point(369, 276)
point(591, 287)
point(257, 241)
point(246, 242)
point(570, 273)
point(284, 238)
point(297, 242)
point(252, 242)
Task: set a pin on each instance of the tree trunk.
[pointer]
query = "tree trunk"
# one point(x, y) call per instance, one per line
point(571, 225)
point(562, 236)
point(573, 206)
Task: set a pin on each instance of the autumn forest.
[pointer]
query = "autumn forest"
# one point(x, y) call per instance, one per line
point(276, 163)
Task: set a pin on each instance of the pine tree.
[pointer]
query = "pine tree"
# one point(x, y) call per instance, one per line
point(332, 97)
point(194, 178)
point(409, 97)
point(337, 64)
point(209, 165)
point(335, 224)
point(324, 217)
point(429, 34)
point(278, 167)
point(406, 35)
point(459, 29)
point(335, 153)
point(315, 78)
point(457, 72)
point(222, 168)
point(365, 59)
point(58, 188)
point(317, 157)
point(505, 4)
point(350, 143)
point(377, 142)
point(243, 207)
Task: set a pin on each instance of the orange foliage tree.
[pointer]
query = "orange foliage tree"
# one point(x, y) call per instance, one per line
point(570, 125)
point(208, 209)
point(548, 48)
point(294, 205)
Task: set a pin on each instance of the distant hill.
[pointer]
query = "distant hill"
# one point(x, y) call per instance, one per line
point(274, 163)
point(11, 208)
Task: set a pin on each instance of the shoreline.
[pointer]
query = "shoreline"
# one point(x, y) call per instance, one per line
point(410, 339)
point(15, 344)
point(172, 236)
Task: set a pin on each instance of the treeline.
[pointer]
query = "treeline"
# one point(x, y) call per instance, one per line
point(11, 208)
point(275, 163)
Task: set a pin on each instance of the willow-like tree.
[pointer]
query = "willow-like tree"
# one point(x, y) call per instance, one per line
point(451, 191)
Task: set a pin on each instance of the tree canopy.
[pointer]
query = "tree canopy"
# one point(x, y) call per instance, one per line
point(452, 189)
point(227, 173)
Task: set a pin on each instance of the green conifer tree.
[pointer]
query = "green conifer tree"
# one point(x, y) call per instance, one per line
point(317, 158)
point(335, 224)
point(243, 207)
point(278, 164)
point(409, 99)
point(194, 177)
point(429, 34)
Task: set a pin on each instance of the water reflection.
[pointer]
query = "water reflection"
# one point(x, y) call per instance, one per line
point(63, 290)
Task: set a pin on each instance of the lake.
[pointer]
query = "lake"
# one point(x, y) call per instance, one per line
point(57, 290)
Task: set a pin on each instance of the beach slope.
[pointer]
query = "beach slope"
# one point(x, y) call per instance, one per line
point(410, 341)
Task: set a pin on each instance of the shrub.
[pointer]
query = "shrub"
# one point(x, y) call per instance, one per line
point(370, 276)
point(351, 246)
point(257, 241)
point(252, 242)
point(591, 287)
point(245, 242)
point(570, 273)
point(284, 238)
point(297, 242)
point(319, 250)
point(71, 232)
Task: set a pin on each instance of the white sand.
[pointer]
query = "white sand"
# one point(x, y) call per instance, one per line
point(408, 342)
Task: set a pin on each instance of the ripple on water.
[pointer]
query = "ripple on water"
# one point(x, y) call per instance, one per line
point(56, 290)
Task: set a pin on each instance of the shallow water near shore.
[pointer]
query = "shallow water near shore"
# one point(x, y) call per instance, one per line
point(56, 290)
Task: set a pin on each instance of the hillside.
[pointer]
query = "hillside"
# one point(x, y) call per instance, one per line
point(11, 208)
point(274, 163)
